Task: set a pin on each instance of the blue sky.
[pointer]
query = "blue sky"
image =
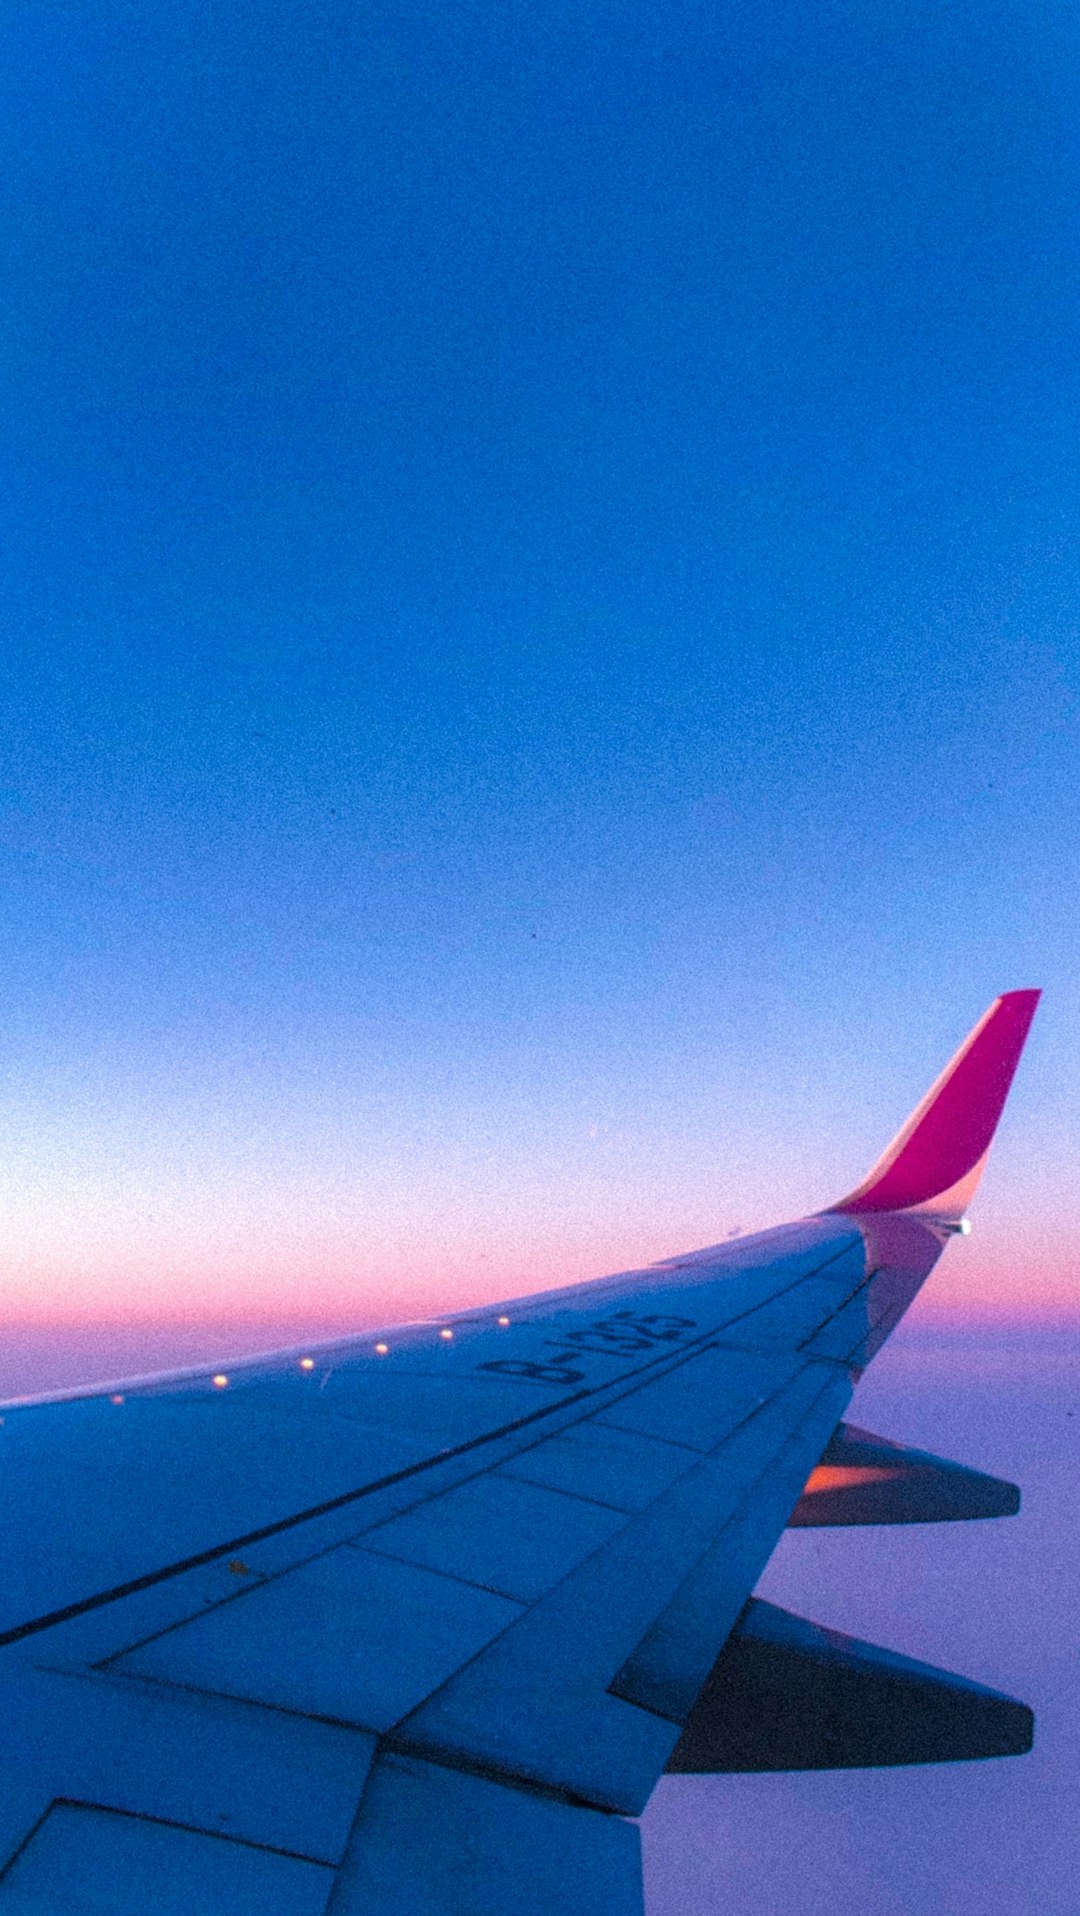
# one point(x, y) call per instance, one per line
point(542, 673)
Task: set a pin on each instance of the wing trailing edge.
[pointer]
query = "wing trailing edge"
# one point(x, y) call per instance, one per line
point(934, 1163)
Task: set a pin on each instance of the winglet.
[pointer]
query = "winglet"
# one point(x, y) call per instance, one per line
point(936, 1160)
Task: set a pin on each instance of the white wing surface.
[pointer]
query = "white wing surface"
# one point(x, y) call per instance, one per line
point(414, 1623)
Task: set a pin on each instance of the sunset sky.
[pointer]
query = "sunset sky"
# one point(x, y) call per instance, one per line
point(541, 693)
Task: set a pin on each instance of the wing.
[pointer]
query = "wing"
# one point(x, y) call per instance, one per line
point(414, 1623)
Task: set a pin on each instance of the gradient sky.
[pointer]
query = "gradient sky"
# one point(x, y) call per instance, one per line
point(539, 700)
point(541, 683)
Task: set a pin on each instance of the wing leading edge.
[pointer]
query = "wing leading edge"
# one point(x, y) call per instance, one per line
point(413, 1623)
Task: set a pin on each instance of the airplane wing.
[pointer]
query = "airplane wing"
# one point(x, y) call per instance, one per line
point(410, 1625)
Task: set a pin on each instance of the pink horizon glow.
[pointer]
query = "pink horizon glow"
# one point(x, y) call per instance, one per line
point(1006, 1281)
point(1010, 1266)
point(39, 1355)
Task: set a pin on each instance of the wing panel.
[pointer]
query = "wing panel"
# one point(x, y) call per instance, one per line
point(511, 1537)
point(606, 1464)
point(790, 1321)
point(430, 1841)
point(87, 1860)
point(432, 1408)
point(352, 1636)
point(704, 1400)
point(868, 1318)
point(130, 1488)
point(204, 1762)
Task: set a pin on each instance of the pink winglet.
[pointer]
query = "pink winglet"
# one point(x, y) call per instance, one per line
point(936, 1160)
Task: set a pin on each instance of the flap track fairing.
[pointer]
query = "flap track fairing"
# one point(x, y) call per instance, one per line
point(866, 1479)
point(786, 1694)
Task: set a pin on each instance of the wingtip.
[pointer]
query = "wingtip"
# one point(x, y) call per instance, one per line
point(935, 1161)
